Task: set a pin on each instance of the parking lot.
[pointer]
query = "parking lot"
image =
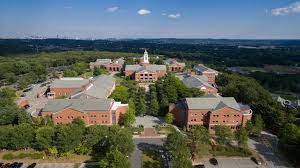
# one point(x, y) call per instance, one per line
point(233, 163)
point(36, 103)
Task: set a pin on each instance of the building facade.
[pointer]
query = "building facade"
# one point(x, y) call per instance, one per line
point(210, 111)
point(108, 64)
point(211, 74)
point(174, 66)
point(91, 111)
point(145, 72)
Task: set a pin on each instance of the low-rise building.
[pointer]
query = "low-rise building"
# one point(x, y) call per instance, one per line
point(145, 72)
point(98, 87)
point(200, 82)
point(211, 74)
point(110, 65)
point(174, 66)
point(210, 111)
point(91, 111)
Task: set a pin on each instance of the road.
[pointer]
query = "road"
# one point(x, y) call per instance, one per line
point(232, 163)
point(140, 143)
point(266, 146)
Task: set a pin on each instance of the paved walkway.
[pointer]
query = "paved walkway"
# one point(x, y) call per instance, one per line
point(148, 121)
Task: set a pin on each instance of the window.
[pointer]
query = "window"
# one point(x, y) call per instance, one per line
point(223, 121)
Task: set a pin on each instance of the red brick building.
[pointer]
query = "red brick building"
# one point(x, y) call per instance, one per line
point(211, 74)
point(211, 111)
point(108, 64)
point(145, 72)
point(174, 66)
point(200, 82)
point(91, 111)
point(97, 87)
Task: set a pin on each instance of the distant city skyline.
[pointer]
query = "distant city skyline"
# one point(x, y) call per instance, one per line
point(98, 19)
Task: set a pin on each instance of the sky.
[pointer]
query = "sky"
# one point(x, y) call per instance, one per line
point(232, 19)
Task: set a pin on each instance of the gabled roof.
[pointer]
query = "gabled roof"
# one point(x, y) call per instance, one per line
point(201, 68)
point(150, 67)
point(100, 87)
point(211, 103)
point(132, 67)
point(196, 82)
point(69, 83)
point(171, 61)
point(82, 105)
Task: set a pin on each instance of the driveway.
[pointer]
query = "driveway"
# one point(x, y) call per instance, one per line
point(266, 146)
point(36, 103)
point(142, 143)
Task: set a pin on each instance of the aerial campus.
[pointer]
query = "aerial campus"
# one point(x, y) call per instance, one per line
point(149, 84)
point(162, 106)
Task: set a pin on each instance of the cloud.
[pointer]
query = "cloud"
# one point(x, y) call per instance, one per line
point(174, 16)
point(292, 8)
point(113, 9)
point(144, 12)
point(68, 7)
point(164, 14)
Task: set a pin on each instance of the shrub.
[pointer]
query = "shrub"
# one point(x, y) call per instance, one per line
point(8, 156)
point(21, 156)
point(36, 155)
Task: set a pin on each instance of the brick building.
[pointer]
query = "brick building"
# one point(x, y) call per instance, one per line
point(200, 82)
point(145, 72)
point(211, 74)
point(210, 111)
point(174, 66)
point(110, 65)
point(98, 87)
point(91, 111)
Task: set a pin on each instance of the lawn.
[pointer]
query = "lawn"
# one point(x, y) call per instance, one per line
point(32, 156)
point(164, 129)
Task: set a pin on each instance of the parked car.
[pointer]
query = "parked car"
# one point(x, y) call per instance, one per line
point(199, 166)
point(213, 161)
point(26, 106)
point(256, 160)
point(32, 165)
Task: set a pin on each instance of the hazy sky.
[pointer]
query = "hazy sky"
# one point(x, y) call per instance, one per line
point(264, 19)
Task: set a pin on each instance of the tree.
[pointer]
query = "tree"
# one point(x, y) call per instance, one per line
point(258, 125)
point(23, 117)
point(200, 141)
point(7, 115)
point(154, 106)
point(120, 94)
point(120, 139)
point(242, 137)
point(176, 144)
point(22, 136)
point(44, 137)
point(99, 71)
point(290, 134)
point(67, 137)
point(10, 78)
point(128, 118)
point(141, 107)
point(94, 134)
point(70, 73)
point(115, 159)
point(79, 67)
point(169, 118)
point(224, 134)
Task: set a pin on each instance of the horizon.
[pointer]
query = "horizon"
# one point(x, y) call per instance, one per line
point(142, 19)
